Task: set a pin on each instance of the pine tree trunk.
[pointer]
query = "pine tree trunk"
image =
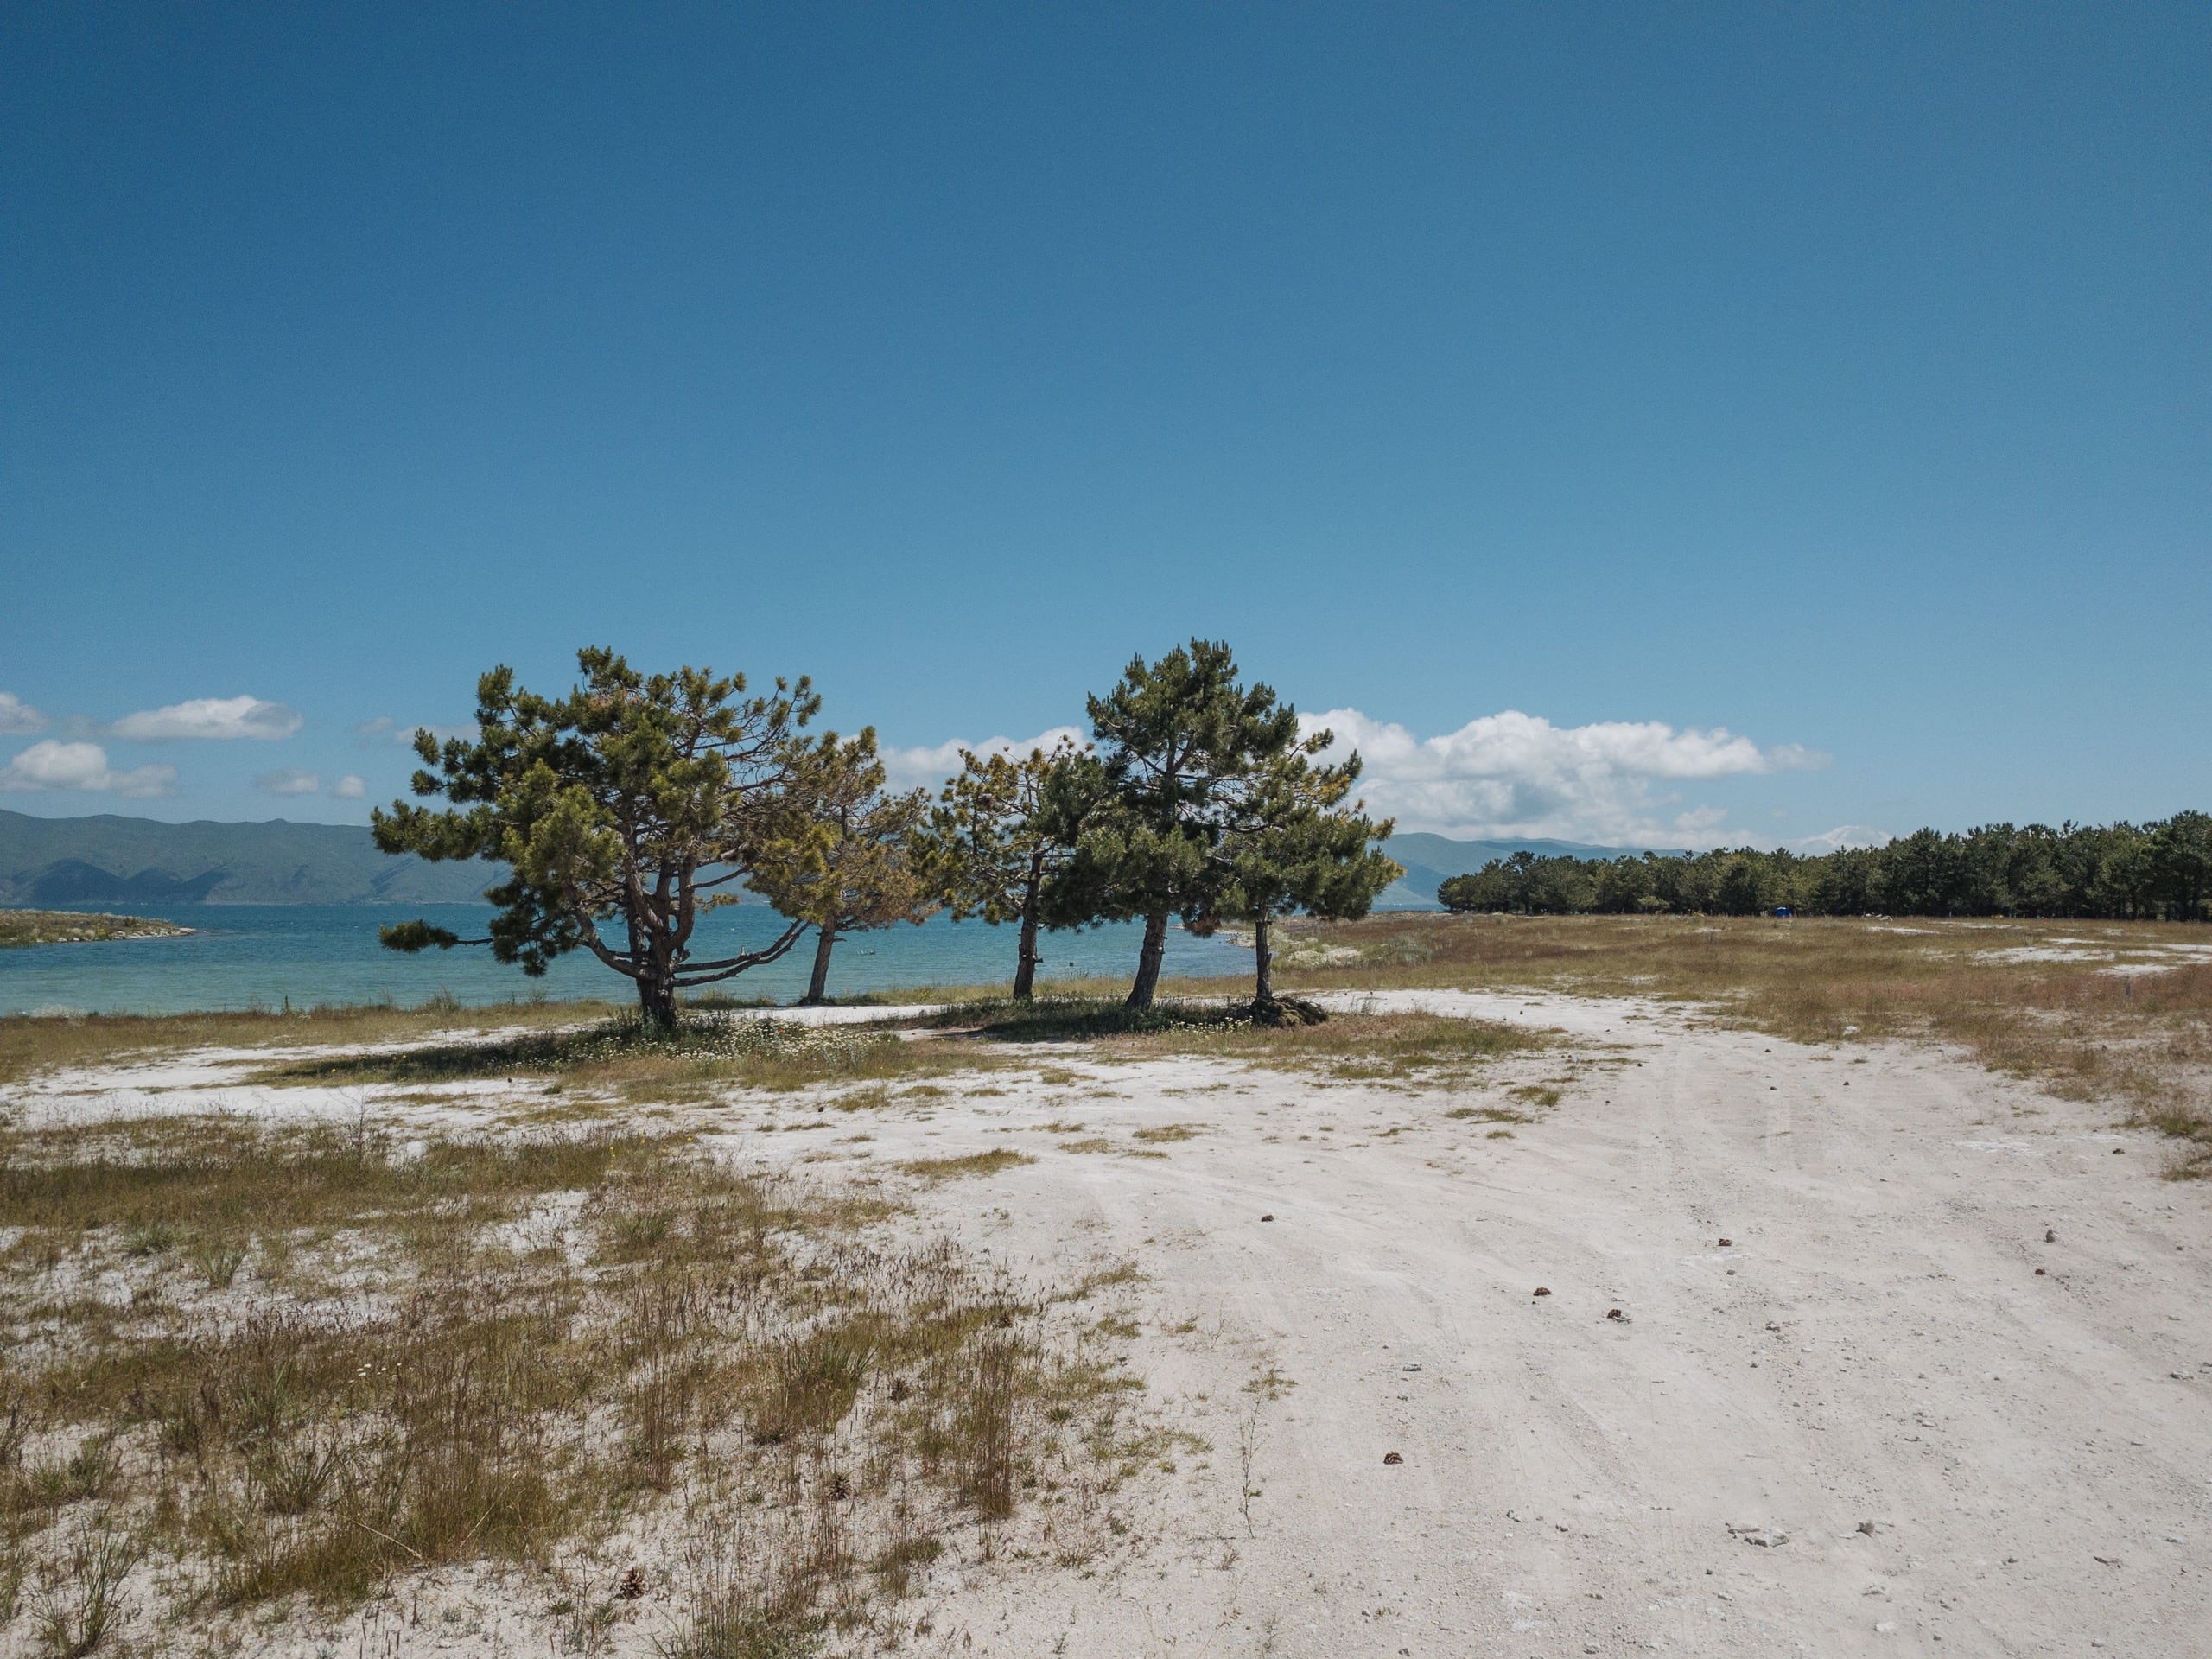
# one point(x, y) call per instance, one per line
point(818, 987)
point(1155, 946)
point(1263, 984)
point(1024, 967)
point(657, 1002)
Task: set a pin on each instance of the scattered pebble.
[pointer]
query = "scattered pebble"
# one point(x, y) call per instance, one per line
point(1764, 1537)
point(2050, 1235)
point(1725, 1243)
point(1267, 1218)
point(1543, 1290)
point(1867, 1526)
point(2040, 1272)
point(1392, 1457)
point(1615, 1313)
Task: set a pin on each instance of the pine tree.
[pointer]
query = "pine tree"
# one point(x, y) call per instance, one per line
point(1005, 827)
point(1290, 845)
point(1177, 739)
point(635, 799)
point(869, 867)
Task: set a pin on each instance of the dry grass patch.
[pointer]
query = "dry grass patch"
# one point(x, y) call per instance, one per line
point(706, 1053)
point(1414, 1049)
point(243, 1371)
point(1077, 988)
point(978, 1163)
point(33, 1043)
point(155, 1180)
point(1410, 1050)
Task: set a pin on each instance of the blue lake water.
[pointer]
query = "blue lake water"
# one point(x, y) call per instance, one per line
point(260, 956)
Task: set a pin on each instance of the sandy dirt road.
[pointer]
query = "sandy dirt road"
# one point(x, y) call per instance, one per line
point(1875, 1345)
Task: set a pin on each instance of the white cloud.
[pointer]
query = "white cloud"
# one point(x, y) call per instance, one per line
point(82, 767)
point(1517, 775)
point(374, 733)
point(210, 717)
point(1509, 775)
point(907, 768)
point(288, 780)
point(17, 717)
point(351, 788)
point(1844, 835)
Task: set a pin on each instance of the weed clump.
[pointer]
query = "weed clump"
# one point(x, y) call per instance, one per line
point(980, 1163)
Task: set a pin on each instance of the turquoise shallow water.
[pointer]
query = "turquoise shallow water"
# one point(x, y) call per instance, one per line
point(258, 956)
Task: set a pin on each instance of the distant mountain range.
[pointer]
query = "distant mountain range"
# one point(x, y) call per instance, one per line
point(1429, 860)
point(114, 860)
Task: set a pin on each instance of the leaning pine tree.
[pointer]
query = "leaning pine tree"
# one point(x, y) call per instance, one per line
point(870, 867)
point(629, 807)
point(1290, 845)
point(1005, 827)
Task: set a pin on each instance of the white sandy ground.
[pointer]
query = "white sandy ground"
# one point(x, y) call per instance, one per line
point(2141, 958)
point(1875, 1345)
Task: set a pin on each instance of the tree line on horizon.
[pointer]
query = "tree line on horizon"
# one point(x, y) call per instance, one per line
point(2161, 871)
point(629, 809)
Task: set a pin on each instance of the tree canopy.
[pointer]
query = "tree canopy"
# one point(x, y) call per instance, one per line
point(867, 867)
point(1005, 827)
point(640, 801)
point(1289, 844)
point(1196, 771)
point(2122, 872)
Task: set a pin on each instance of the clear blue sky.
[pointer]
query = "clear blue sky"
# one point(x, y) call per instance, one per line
point(1838, 376)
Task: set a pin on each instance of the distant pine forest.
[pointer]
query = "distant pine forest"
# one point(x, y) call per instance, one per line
point(2120, 872)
